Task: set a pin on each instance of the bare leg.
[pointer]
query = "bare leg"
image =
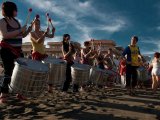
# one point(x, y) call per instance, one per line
point(154, 83)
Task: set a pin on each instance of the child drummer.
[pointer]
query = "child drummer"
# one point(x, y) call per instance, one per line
point(37, 40)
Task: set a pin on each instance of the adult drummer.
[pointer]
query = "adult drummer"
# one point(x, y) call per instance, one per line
point(88, 55)
point(12, 34)
point(37, 40)
point(68, 51)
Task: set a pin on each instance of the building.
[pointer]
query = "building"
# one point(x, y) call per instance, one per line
point(54, 49)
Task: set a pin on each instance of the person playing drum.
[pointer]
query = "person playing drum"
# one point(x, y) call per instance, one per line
point(88, 55)
point(37, 40)
point(68, 51)
point(12, 34)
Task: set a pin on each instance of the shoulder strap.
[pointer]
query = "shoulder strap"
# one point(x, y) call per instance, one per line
point(17, 22)
point(5, 21)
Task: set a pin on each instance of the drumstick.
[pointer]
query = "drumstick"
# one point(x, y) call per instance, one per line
point(51, 22)
point(47, 16)
point(28, 16)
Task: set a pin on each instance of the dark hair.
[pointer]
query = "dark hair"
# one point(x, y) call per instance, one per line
point(9, 8)
point(86, 43)
point(157, 54)
point(136, 38)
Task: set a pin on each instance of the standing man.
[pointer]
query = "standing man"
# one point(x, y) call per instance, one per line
point(132, 53)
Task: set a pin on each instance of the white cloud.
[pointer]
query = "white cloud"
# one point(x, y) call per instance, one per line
point(69, 13)
point(152, 41)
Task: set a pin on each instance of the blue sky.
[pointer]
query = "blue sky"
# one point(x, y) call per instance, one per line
point(115, 20)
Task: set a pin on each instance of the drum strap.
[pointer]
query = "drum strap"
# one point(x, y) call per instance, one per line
point(15, 51)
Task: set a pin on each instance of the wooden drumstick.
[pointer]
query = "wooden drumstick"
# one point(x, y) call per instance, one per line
point(47, 16)
point(51, 22)
point(28, 16)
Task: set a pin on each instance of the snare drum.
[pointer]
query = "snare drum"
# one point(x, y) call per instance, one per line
point(57, 72)
point(80, 73)
point(29, 77)
point(97, 76)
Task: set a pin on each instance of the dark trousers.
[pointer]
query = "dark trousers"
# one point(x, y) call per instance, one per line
point(131, 76)
point(8, 63)
point(69, 79)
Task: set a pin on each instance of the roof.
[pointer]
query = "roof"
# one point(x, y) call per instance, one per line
point(104, 42)
point(54, 43)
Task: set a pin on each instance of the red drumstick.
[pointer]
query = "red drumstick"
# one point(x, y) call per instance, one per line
point(28, 16)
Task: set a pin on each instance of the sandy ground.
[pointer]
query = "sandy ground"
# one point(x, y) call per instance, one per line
point(93, 104)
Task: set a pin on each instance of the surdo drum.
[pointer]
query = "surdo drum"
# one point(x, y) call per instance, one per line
point(80, 73)
point(57, 71)
point(29, 77)
point(97, 76)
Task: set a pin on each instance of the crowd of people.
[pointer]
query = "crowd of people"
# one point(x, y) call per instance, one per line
point(12, 34)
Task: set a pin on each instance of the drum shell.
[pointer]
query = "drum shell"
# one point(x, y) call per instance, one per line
point(80, 76)
point(28, 82)
point(57, 72)
point(96, 76)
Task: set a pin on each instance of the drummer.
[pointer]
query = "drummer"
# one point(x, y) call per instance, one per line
point(88, 55)
point(37, 40)
point(12, 34)
point(68, 51)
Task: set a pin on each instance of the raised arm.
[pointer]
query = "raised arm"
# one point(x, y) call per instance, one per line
point(39, 40)
point(52, 34)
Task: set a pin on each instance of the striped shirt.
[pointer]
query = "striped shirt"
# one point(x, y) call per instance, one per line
point(17, 41)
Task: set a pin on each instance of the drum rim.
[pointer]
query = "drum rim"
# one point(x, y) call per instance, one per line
point(29, 69)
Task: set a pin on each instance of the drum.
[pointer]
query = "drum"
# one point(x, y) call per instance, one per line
point(97, 76)
point(142, 74)
point(57, 72)
point(29, 77)
point(80, 73)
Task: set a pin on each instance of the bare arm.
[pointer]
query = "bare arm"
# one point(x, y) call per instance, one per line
point(39, 40)
point(52, 34)
point(87, 54)
point(65, 55)
point(27, 32)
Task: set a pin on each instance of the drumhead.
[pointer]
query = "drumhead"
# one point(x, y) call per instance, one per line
point(53, 61)
point(32, 64)
point(81, 67)
point(97, 69)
